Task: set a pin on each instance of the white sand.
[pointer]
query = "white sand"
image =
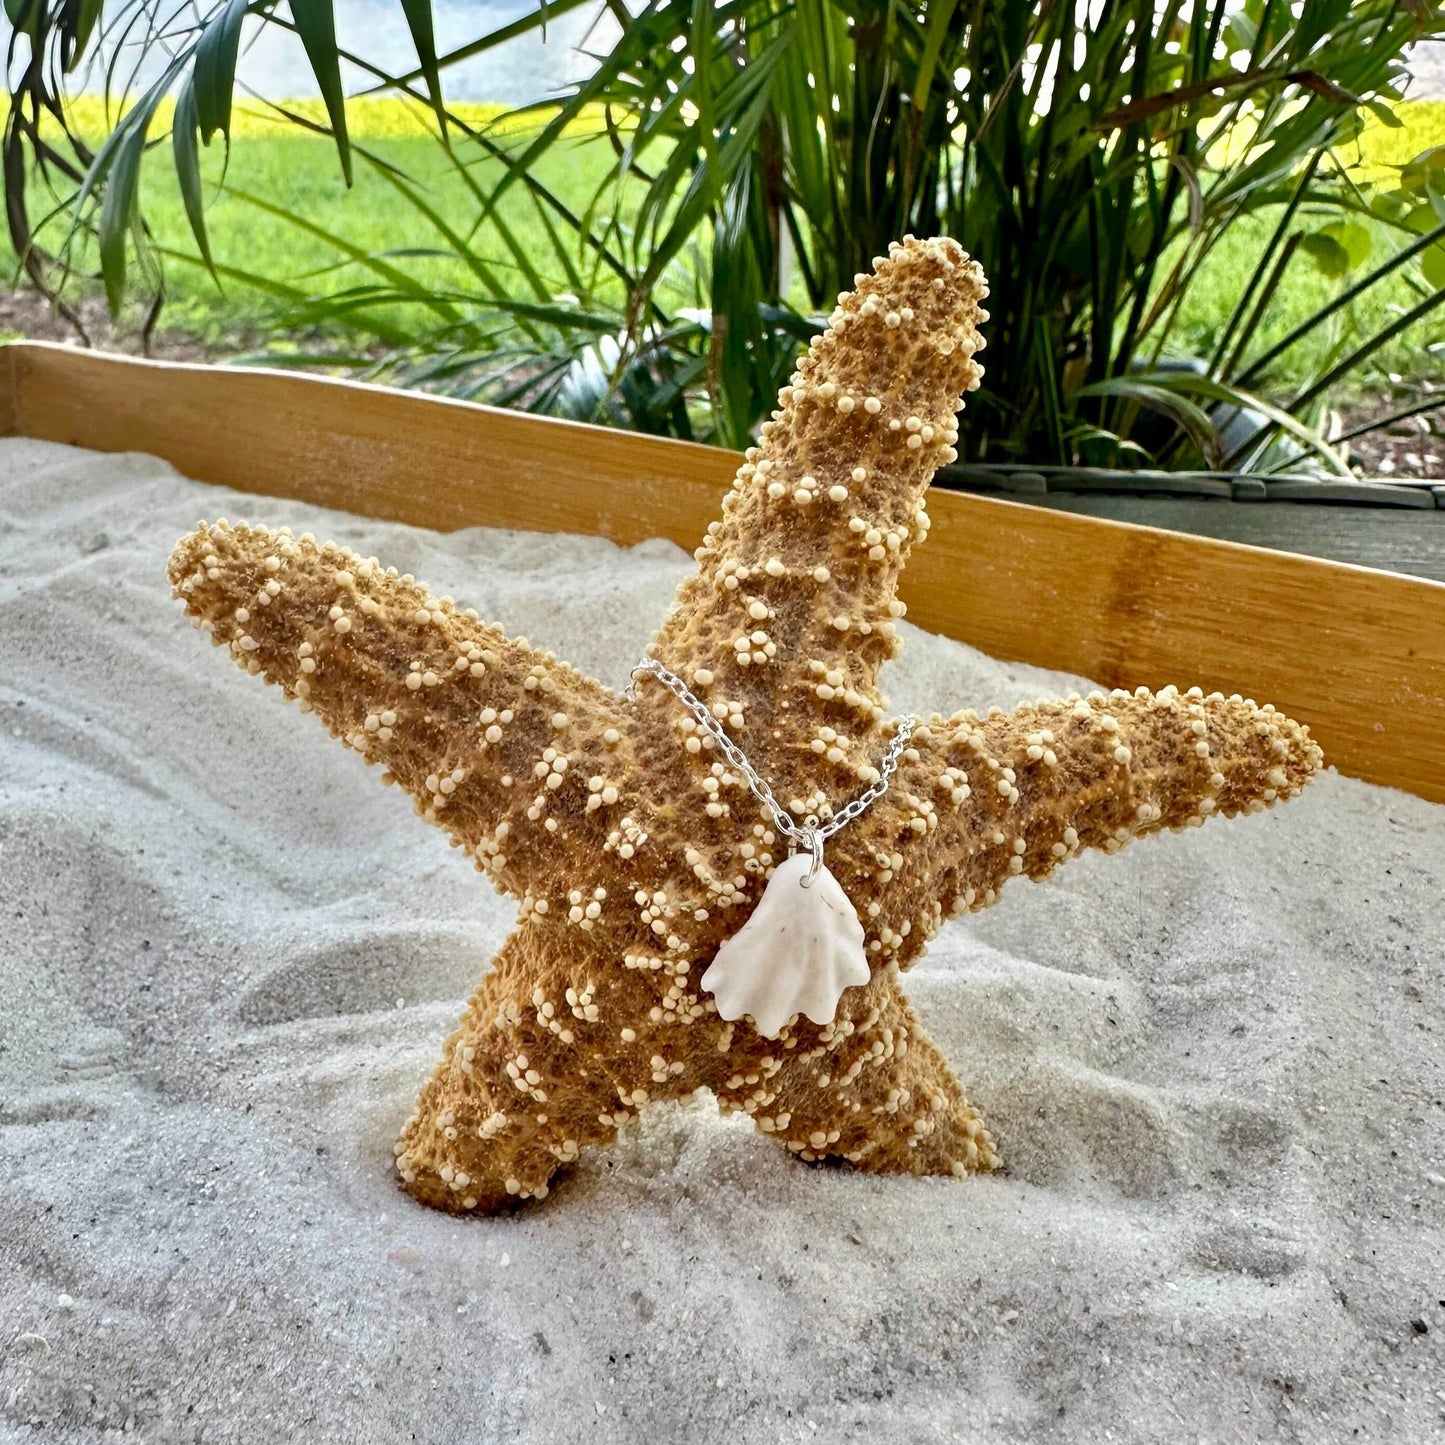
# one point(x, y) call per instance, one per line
point(227, 957)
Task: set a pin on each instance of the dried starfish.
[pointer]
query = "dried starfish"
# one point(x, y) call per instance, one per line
point(636, 852)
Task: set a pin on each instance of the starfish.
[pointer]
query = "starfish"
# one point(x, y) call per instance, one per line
point(635, 851)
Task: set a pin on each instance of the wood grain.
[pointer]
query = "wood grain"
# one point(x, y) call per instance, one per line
point(8, 426)
point(1358, 654)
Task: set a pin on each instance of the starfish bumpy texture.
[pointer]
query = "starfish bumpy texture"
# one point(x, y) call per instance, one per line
point(636, 852)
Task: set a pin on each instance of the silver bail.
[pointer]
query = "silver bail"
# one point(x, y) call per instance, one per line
point(812, 840)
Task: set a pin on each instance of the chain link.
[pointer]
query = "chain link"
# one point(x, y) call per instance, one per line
point(810, 834)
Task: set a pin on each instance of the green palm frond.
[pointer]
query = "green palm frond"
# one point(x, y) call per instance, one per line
point(1092, 156)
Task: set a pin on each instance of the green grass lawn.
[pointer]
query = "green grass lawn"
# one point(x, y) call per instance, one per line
point(1306, 289)
point(1304, 292)
point(300, 173)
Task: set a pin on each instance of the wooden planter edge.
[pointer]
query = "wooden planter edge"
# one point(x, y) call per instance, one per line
point(1358, 654)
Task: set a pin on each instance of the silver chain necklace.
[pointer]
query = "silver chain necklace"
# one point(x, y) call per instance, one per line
point(812, 833)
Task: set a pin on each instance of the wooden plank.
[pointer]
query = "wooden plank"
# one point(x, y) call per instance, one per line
point(404, 456)
point(1358, 654)
point(8, 425)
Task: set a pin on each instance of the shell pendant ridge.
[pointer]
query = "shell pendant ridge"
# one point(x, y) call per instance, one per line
point(797, 953)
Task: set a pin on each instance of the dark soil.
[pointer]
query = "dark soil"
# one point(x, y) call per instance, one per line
point(1408, 449)
point(27, 313)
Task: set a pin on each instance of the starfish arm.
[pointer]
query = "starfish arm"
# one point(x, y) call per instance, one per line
point(1023, 791)
point(520, 758)
point(793, 602)
point(870, 1088)
point(522, 1085)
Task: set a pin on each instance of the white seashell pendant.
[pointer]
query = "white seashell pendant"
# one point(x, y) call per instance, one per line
point(800, 949)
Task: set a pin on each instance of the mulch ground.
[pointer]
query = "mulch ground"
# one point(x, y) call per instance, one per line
point(1409, 449)
point(27, 313)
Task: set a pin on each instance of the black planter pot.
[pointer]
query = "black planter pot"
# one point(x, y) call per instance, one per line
point(1395, 526)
